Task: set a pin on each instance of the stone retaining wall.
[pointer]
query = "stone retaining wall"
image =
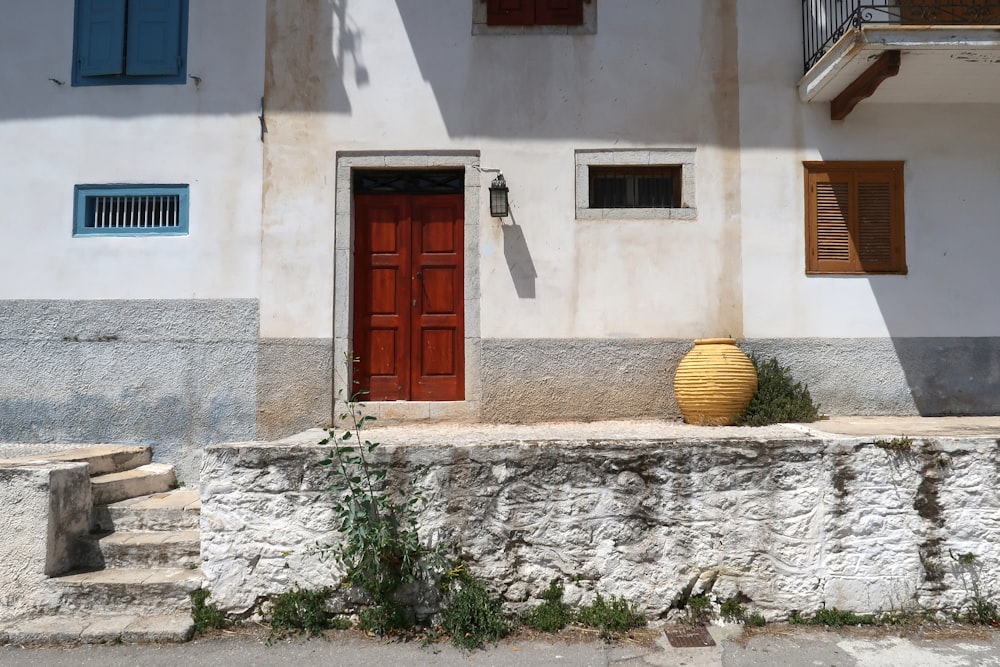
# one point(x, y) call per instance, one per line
point(793, 524)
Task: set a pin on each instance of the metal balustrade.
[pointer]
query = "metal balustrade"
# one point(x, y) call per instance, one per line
point(826, 21)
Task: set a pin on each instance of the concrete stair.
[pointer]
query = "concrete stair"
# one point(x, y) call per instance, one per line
point(136, 569)
point(141, 481)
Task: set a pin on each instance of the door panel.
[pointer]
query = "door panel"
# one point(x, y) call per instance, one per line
point(409, 297)
point(438, 329)
point(382, 310)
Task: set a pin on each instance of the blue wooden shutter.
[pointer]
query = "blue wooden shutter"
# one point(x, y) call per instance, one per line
point(100, 37)
point(154, 38)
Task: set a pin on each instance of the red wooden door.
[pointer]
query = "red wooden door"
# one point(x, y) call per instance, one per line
point(409, 297)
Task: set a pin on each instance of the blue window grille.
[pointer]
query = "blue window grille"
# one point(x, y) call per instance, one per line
point(128, 42)
point(130, 210)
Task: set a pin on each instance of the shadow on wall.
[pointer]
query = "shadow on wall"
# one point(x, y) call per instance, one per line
point(943, 316)
point(519, 262)
point(308, 43)
point(581, 86)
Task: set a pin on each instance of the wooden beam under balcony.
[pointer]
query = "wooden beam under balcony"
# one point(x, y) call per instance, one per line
point(886, 66)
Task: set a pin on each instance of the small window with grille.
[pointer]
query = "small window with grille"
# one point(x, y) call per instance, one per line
point(131, 210)
point(636, 184)
point(635, 187)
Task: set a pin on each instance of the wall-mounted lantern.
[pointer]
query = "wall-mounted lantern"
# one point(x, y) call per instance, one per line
point(499, 207)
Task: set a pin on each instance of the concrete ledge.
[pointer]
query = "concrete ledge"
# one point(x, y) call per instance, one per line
point(96, 629)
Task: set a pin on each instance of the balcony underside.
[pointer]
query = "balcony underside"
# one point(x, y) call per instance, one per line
point(938, 64)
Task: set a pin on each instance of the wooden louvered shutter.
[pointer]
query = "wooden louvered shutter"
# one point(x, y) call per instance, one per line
point(829, 209)
point(854, 217)
point(880, 229)
point(558, 12)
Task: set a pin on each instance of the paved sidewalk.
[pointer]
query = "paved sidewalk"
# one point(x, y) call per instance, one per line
point(775, 646)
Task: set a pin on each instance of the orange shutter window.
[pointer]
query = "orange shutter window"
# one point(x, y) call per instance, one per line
point(854, 217)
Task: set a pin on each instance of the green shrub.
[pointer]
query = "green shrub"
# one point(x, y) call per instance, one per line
point(552, 615)
point(755, 620)
point(779, 399)
point(611, 616)
point(299, 612)
point(379, 547)
point(206, 616)
point(832, 618)
point(473, 616)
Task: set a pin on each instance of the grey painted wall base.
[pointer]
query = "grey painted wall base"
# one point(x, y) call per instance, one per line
point(295, 387)
point(526, 380)
point(175, 374)
point(179, 375)
point(531, 379)
point(893, 376)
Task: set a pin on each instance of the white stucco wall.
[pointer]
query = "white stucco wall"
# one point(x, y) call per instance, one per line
point(57, 135)
point(408, 77)
point(951, 199)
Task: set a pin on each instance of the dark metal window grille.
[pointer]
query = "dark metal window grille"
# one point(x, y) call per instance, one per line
point(405, 182)
point(635, 187)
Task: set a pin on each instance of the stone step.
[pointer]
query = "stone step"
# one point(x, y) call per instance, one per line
point(136, 591)
point(160, 548)
point(102, 459)
point(141, 481)
point(179, 509)
point(100, 629)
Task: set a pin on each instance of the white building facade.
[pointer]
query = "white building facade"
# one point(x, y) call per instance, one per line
point(334, 161)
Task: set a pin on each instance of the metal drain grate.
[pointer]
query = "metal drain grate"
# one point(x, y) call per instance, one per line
point(689, 637)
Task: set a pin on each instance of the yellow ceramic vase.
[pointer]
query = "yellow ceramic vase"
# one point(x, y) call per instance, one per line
point(714, 382)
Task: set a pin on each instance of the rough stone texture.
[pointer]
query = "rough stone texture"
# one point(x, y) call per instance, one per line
point(174, 374)
point(893, 376)
point(792, 522)
point(52, 504)
point(295, 386)
point(526, 380)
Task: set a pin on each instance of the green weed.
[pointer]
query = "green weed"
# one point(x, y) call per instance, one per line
point(473, 616)
point(298, 612)
point(699, 609)
point(612, 616)
point(553, 614)
point(206, 616)
point(832, 618)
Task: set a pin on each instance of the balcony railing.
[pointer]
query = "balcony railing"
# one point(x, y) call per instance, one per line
point(826, 21)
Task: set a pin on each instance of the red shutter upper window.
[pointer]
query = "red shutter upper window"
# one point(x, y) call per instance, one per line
point(534, 12)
